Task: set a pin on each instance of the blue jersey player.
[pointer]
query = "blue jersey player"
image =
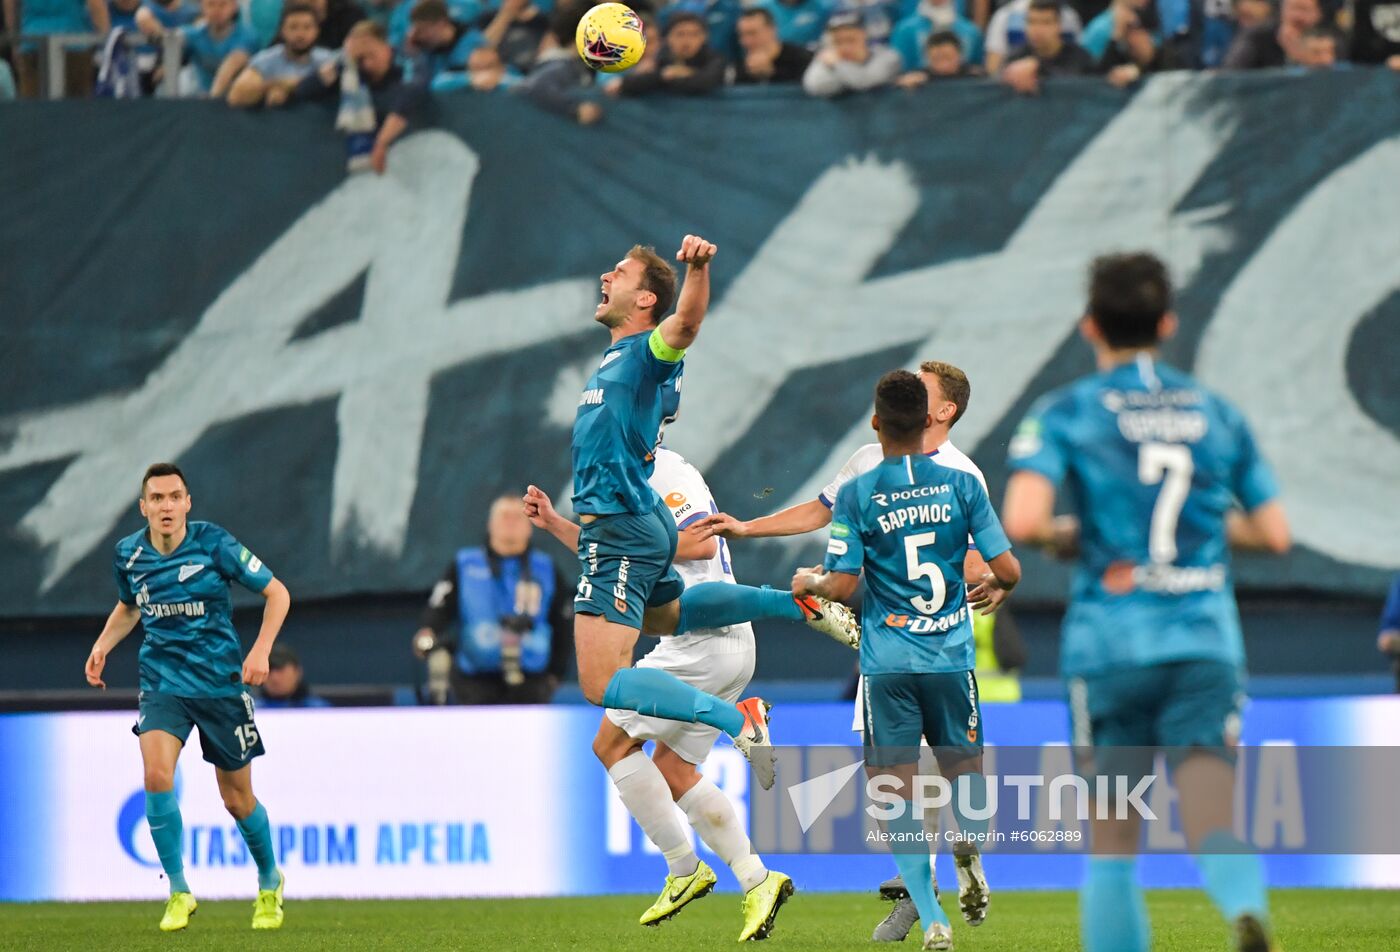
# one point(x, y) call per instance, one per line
point(1165, 477)
point(174, 577)
point(906, 524)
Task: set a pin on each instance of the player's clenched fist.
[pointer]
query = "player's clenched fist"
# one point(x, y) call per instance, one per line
point(696, 251)
point(538, 507)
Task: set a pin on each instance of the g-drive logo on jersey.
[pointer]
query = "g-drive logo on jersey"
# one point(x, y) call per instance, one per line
point(249, 559)
point(166, 609)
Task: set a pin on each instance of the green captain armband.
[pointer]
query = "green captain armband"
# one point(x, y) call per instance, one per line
point(664, 351)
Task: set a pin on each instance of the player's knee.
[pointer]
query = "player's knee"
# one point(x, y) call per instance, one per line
point(159, 778)
point(239, 803)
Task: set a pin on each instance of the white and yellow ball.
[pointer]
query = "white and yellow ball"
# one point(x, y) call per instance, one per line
point(611, 38)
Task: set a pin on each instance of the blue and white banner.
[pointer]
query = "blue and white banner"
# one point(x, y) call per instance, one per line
point(350, 369)
point(491, 802)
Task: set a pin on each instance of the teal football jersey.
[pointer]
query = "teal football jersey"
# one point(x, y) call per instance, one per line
point(906, 523)
point(1152, 462)
point(624, 408)
point(190, 647)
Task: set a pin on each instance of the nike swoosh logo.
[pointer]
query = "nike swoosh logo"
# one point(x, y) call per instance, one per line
point(136, 579)
point(161, 827)
point(190, 571)
point(675, 897)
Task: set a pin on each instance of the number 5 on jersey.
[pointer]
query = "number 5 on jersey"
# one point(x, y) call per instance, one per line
point(928, 570)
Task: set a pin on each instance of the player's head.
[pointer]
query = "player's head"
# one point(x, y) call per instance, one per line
point(165, 498)
point(643, 285)
point(1130, 302)
point(901, 408)
point(949, 391)
point(507, 528)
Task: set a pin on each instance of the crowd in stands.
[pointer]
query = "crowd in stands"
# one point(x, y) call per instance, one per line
point(381, 57)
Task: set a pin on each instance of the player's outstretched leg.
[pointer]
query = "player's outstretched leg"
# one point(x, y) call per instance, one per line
point(658, 694)
point(717, 604)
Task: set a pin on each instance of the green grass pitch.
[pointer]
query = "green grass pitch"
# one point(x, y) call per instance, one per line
point(1354, 921)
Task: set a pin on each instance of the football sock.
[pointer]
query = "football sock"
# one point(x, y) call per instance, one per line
point(1234, 876)
point(717, 604)
point(258, 835)
point(167, 830)
point(647, 797)
point(658, 694)
point(713, 817)
point(970, 794)
point(1112, 913)
point(911, 855)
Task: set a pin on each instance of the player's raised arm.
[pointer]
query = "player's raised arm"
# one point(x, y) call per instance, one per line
point(680, 329)
point(119, 624)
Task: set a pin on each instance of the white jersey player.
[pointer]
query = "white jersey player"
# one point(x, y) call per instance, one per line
point(949, 392)
point(717, 661)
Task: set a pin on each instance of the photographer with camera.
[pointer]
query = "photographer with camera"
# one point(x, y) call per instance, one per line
point(513, 614)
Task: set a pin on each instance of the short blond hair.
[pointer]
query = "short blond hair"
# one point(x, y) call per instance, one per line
point(957, 389)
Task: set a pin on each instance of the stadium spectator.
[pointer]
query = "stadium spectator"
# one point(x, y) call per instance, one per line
point(44, 17)
point(766, 58)
point(1375, 32)
point(485, 73)
point(435, 42)
point(1007, 32)
point(848, 62)
point(273, 73)
point(395, 99)
point(286, 682)
point(1389, 639)
point(910, 37)
point(560, 77)
point(1133, 49)
point(513, 612)
point(1046, 53)
point(216, 48)
point(516, 29)
point(943, 59)
point(1275, 43)
point(802, 22)
point(721, 20)
point(1219, 28)
point(687, 65)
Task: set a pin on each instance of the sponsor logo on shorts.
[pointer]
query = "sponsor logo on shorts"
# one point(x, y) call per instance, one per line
point(620, 588)
point(972, 718)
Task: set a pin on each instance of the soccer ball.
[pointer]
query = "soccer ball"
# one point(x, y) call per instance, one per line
point(611, 38)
